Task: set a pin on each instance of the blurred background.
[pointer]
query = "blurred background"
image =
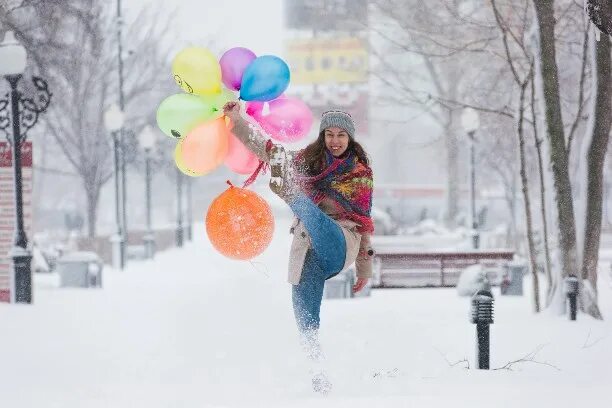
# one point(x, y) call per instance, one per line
point(406, 70)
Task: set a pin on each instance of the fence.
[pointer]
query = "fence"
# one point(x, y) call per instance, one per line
point(101, 245)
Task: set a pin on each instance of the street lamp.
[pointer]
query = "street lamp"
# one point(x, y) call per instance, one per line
point(147, 141)
point(113, 120)
point(22, 113)
point(471, 122)
point(482, 317)
point(189, 212)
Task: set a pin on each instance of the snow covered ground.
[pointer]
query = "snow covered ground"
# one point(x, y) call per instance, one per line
point(192, 329)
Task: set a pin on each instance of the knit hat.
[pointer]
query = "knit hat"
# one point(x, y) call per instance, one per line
point(338, 118)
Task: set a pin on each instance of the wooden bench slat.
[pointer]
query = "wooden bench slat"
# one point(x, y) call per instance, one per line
point(439, 268)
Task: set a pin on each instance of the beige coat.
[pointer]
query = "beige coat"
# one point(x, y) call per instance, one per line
point(301, 244)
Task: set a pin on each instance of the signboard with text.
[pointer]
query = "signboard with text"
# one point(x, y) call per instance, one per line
point(331, 73)
point(321, 60)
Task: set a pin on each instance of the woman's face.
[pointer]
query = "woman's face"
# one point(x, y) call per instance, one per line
point(336, 140)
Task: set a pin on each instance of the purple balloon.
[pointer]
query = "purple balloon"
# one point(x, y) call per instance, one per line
point(233, 64)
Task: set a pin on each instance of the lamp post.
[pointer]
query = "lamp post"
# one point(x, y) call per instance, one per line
point(122, 154)
point(21, 113)
point(482, 317)
point(572, 286)
point(147, 141)
point(179, 209)
point(471, 122)
point(113, 120)
point(120, 151)
point(189, 212)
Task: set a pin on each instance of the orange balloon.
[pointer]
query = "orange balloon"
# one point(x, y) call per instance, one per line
point(205, 147)
point(239, 224)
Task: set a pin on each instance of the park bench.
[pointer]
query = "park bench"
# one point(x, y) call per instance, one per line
point(395, 267)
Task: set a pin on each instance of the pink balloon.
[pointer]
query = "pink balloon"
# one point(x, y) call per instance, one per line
point(288, 120)
point(239, 159)
point(233, 64)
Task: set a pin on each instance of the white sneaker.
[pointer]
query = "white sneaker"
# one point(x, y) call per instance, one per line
point(320, 383)
point(316, 360)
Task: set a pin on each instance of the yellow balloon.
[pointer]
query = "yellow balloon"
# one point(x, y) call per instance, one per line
point(197, 71)
point(224, 97)
point(178, 159)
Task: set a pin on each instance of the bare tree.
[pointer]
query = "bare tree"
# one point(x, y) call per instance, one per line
point(438, 34)
point(549, 75)
point(538, 145)
point(516, 64)
point(73, 44)
point(499, 159)
point(601, 123)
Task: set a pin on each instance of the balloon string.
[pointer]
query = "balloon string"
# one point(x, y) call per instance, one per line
point(260, 270)
point(262, 166)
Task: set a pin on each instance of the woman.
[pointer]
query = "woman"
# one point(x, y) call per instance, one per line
point(328, 185)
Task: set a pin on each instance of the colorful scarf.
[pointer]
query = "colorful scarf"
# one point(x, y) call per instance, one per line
point(348, 183)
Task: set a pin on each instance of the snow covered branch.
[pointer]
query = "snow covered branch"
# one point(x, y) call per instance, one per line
point(528, 358)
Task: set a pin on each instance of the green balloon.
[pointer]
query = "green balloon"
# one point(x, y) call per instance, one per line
point(180, 113)
point(224, 97)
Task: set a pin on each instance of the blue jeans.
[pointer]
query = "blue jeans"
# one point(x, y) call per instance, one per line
point(324, 260)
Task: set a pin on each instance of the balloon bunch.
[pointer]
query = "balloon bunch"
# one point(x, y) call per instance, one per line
point(195, 118)
point(205, 141)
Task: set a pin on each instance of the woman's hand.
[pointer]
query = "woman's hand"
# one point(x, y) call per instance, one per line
point(361, 282)
point(232, 109)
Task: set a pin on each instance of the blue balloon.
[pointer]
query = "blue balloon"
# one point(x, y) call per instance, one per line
point(265, 79)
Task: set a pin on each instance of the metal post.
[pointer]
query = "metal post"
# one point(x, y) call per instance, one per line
point(189, 212)
point(149, 238)
point(24, 113)
point(571, 289)
point(124, 236)
point(123, 195)
point(482, 333)
point(572, 302)
point(119, 56)
point(482, 316)
point(475, 237)
point(179, 208)
point(117, 240)
point(22, 257)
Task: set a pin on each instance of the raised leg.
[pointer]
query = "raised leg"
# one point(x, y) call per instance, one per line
point(328, 243)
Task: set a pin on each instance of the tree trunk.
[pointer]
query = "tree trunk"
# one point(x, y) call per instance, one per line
point(601, 118)
point(538, 145)
point(512, 239)
point(526, 199)
point(452, 163)
point(92, 193)
point(558, 152)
